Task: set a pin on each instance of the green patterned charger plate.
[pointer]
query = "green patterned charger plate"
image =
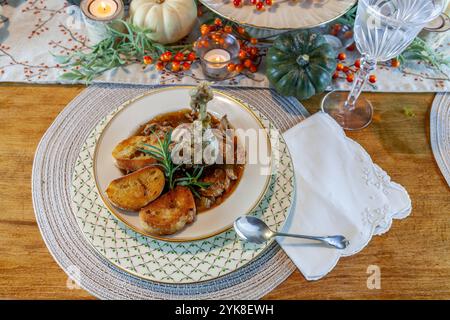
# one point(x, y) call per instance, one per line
point(175, 262)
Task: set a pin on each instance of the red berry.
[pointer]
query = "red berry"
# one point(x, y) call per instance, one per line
point(372, 78)
point(358, 63)
point(395, 63)
point(335, 29)
point(166, 56)
point(148, 60)
point(186, 66)
point(240, 30)
point(175, 66)
point(260, 6)
point(204, 29)
point(346, 69)
point(231, 67)
point(191, 56)
point(342, 56)
point(335, 75)
point(269, 2)
point(242, 54)
point(253, 68)
point(339, 67)
point(350, 77)
point(239, 68)
point(253, 41)
point(160, 66)
point(254, 2)
point(218, 22)
point(348, 34)
point(179, 56)
point(237, 3)
point(228, 29)
point(248, 63)
point(254, 51)
point(351, 47)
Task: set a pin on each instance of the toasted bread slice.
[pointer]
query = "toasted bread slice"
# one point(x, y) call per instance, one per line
point(137, 189)
point(128, 155)
point(169, 213)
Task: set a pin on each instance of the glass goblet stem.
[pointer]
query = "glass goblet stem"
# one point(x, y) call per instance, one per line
point(367, 66)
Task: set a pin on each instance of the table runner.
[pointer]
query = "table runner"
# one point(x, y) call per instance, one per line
point(31, 30)
point(440, 133)
point(52, 171)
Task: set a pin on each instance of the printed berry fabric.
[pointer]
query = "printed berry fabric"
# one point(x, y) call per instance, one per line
point(33, 31)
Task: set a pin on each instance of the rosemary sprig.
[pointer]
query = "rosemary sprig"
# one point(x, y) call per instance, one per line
point(118, 49)
point(162, 154)
point(192, 181)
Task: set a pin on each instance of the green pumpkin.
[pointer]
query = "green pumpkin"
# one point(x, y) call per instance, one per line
point(300, 64)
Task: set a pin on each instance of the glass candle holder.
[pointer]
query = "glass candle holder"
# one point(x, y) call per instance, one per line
point(99, 14)
point(216, 50)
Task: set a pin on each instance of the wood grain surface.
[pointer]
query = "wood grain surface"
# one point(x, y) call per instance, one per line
point(413, 257)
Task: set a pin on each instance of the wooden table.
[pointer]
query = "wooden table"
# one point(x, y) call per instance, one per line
point(414, 256)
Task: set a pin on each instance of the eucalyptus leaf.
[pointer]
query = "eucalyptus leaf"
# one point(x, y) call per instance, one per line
point(419, 50)
point(62, 59)
point(71, 76)
point(119, 49)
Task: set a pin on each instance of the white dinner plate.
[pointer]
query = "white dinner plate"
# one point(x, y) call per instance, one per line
point(283, 14)
point(244, 198)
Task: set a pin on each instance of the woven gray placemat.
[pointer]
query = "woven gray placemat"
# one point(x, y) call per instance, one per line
point(52, 171)
point(440, 132)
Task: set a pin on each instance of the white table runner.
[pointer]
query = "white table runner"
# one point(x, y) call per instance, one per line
point(32, 30)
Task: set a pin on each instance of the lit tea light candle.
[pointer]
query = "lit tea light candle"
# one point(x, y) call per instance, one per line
point(215, 58)
point(103, 8)
point(216, 50)
point(215, 63)
point(99, 14)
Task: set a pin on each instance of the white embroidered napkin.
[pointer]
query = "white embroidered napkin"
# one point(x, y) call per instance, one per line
point(339, 191)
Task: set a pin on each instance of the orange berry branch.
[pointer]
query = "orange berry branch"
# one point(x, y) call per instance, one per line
point(249, 54)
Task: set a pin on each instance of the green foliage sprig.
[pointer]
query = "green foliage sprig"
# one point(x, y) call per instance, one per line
point(163, 155)
point(192, 181)
point(118, 49)
point(349, 17)
point(419, 50)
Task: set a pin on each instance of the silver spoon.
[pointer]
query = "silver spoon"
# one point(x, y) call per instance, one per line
point(255, 230)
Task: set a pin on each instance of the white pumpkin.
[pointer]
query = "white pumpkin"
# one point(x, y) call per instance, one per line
point(168, 20)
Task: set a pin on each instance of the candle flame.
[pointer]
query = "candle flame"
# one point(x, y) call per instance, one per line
point(216, 59)
point(103, 5)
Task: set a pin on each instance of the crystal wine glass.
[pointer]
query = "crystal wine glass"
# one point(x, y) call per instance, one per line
point(383, 29)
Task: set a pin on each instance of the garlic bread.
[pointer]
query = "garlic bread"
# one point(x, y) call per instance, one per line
point(137, 189)
point(169, 213)
point(128, 155)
